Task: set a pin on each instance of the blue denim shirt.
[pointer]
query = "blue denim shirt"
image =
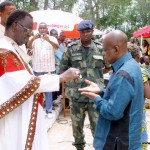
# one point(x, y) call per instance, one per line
point(58, 56)
point(120, 108)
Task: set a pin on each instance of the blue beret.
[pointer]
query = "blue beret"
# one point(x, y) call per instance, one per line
point(85, 24)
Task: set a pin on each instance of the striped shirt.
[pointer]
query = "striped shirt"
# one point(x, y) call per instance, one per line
point(43, 58)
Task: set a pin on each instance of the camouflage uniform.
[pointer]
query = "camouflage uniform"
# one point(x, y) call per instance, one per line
point(90, 64)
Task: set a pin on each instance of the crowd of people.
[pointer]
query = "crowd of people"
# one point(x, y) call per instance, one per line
point(33, 66)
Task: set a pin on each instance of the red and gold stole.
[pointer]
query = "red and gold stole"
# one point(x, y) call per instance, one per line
point(10, 62)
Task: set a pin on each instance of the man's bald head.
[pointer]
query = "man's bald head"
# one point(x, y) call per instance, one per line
point(119, 38)
point(116, 43)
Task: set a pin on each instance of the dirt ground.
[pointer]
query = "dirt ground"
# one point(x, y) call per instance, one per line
point(60, 135)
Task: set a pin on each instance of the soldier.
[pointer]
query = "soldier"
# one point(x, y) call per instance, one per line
point(85, 55)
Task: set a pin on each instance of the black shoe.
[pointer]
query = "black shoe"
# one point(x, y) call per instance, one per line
point(55, 105)
point(53, 108)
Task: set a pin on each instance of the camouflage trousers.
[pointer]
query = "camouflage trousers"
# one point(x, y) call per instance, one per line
point(78, 116)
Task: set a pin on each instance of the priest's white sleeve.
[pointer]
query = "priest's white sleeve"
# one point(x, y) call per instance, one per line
point(49, 83)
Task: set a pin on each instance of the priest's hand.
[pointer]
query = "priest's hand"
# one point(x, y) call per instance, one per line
point(69, 74)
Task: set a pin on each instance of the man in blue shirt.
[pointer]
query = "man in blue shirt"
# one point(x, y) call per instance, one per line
point(120, 104)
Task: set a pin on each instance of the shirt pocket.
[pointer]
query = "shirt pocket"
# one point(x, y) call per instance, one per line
point(77, 61)
point(97, 61)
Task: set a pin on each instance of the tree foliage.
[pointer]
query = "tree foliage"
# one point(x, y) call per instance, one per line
point(28, 5)
point(126, 15)
point(65, 5)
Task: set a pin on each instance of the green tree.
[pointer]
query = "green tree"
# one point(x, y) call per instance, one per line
point(65, 5)
point(26, 4)
point(126, 15)
point(108, 13)
point(138, 16)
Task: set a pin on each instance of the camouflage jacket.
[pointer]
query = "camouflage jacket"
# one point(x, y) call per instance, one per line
point(90, 64)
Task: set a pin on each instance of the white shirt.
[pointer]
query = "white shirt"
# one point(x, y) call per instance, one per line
point(43, 58)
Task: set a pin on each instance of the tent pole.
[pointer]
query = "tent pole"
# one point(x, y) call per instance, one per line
point(141, 39)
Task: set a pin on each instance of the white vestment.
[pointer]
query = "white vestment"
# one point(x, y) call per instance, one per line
point(2, 30)
point(14, 126)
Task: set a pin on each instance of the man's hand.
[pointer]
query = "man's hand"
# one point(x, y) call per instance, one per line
point(90, 91)
point(46, 37)
point(29, 44)
point(69, 74)
point(93, 87)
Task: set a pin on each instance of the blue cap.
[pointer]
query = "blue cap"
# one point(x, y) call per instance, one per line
point(84, 25)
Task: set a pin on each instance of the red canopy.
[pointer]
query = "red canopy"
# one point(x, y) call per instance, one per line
point(72, 34)
point(144, 32)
